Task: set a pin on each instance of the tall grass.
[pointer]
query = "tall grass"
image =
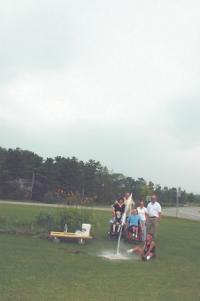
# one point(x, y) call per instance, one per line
point(30, 220)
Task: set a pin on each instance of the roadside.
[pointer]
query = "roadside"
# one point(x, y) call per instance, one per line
point(192, 213)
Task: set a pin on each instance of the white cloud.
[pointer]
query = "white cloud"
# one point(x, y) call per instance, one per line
point(107, 77)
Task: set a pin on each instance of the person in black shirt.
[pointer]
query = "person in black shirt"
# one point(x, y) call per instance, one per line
point(118, 206)
point(117, 212)
point(148, 251)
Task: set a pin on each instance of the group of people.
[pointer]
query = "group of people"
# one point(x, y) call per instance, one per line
point(143, 220)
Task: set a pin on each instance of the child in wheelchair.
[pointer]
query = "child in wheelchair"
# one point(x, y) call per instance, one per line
point(133, 226)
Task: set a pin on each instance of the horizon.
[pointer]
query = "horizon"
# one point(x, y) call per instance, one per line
point(111, 171)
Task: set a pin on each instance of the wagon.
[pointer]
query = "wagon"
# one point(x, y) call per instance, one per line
point(81, 236)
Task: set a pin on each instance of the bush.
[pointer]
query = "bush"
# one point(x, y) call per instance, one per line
point(3, 220)
point(49, 197)
point(45, 220)
point(73, 217)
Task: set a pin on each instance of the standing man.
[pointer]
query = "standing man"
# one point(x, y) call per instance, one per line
point(154, 214)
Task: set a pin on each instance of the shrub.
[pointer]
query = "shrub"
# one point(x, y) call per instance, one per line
point(49, 197)
point(45, 220)
point(3, 220)
point(73, 217)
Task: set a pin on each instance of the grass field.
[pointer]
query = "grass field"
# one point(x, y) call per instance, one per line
point(36, 269)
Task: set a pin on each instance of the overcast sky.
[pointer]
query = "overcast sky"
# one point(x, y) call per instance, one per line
point(115, 81)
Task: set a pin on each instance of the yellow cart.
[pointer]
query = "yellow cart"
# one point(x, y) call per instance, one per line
point(81, 236)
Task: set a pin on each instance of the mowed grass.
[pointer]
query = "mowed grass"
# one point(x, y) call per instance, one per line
point(36, 269)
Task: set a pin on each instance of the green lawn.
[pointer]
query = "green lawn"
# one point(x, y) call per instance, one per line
point(37, 269)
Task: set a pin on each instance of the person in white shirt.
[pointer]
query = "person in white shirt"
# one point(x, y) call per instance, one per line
point(142, 212)
point(154, 214)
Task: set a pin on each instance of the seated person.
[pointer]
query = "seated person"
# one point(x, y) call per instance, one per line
point(133, 223)
point(148, 251)
point(117, 212)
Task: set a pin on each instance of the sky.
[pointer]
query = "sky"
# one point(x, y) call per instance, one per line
point(114, 81)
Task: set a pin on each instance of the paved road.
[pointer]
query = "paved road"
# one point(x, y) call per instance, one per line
point(192, 213)
point(55, 205)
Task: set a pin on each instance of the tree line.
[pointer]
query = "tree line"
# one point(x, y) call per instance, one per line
point(25, 175)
